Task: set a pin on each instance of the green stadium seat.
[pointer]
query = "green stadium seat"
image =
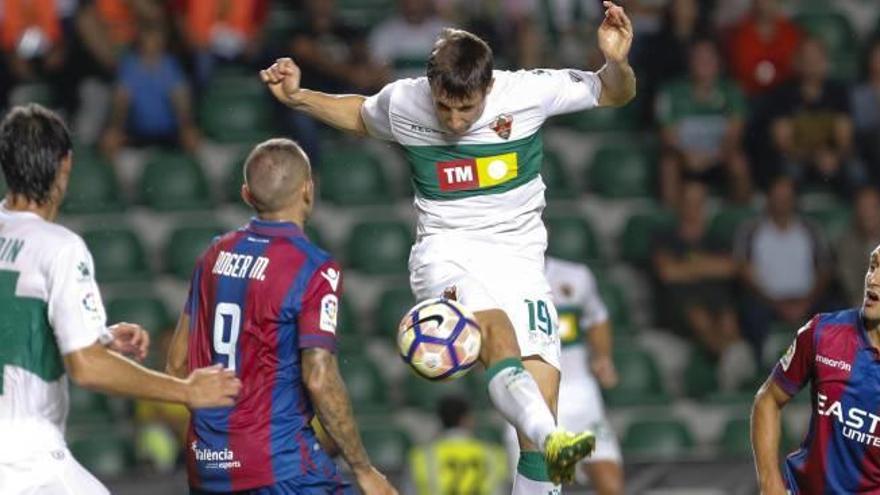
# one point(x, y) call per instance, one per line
point(640, 380)
point(838, 36)
point(2, 185)
point(723, 226)
point(622, 171)
point(87, 407)
point(236, 110)
point(104, 453)
point(570, 237)
point(174, 181)
point(393, 305)
point(556, 178)
point(366, 387)
point(833, 218)
point(185, 245)
point(657, 439)
point(636, 240)
point(352, 177)
point(365, 13)
point(387, 445)
point(618, 308)
point(604, 119)
point(735, 440)
point(149, 312)
point(118, 253)
point(314, 235)
point(379, 247)
point(424, 394)
point(235, 178)
point(700, 375)
point(93, 187)
point(37, 92)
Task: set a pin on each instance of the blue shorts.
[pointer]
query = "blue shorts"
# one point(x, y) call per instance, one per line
point(291, 487)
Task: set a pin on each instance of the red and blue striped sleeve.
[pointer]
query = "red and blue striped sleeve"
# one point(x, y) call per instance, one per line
point(795, 367)
point(319, 311)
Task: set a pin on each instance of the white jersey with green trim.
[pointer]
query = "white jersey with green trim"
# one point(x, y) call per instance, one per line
point(486, 182)
point(580, 307)
point(49, 306)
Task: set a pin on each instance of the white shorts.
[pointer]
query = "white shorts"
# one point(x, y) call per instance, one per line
point(491, 276)
point(581, 408)
point(53, 472)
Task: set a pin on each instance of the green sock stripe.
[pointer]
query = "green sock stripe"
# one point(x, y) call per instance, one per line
point(511, 362)
point(532, 466)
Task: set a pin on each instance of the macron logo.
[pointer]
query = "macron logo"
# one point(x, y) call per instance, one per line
point(332, 277)
point(834, 363)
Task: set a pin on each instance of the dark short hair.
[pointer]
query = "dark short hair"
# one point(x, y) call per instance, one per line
point(33, 141)
point(453, 409)
point(460, 65)
point(273, 170)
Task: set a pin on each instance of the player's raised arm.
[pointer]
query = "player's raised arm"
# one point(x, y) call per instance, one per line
point(615, 39)
point(766, 432)
point(177, 362)
point(340, 111)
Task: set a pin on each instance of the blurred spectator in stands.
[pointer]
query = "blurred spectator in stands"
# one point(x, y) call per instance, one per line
point(513, 28)
point(404, 41)
point(221, 32)
point(456, 461)
point(812, 131)
point(103, 31)
point(665, 55)
point(702, 125)
point(761, 48)
point(784, 264)
point(696, 277)
point(151, 102)
point(866, 111)
point(333, 57)
point(32, 37)
point(857, 243)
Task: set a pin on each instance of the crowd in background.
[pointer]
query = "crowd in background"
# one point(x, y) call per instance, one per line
point(745, 103)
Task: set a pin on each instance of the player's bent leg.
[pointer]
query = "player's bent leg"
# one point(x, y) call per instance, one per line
point(606, 476)
point(532, 475)
point(513, 391)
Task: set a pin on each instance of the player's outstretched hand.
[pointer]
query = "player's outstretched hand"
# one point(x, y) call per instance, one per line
point(282, 78)
point(212, 387)
point(615, 33)
point(372, 482)
point(130, 339)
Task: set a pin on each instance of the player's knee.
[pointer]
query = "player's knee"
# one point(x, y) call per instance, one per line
point(499, 338)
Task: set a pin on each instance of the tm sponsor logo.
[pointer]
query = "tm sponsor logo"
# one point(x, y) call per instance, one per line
point(215, 459)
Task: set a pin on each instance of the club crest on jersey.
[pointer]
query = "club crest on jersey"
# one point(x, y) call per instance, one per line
point(503, 125)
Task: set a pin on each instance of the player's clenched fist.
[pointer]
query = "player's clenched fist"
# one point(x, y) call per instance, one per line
point(212, 387)
point(282, 78)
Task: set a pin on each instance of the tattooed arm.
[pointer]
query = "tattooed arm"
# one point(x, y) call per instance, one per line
point(330, 398)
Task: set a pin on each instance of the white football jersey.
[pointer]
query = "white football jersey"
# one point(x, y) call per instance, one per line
point(580, 307)
point(486, 182)
point(49, 306)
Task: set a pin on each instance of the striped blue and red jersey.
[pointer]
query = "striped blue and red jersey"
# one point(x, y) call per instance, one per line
point(841, 450)
point(258, 296)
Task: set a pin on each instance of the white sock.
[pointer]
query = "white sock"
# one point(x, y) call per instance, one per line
point(531, 476)
point(516, 395)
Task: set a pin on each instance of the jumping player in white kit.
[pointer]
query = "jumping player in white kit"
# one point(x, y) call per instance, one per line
point(587, 365)
point(472, 136)
point(52, 321)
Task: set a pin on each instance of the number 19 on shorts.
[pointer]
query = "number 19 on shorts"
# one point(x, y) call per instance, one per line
point(539, 316)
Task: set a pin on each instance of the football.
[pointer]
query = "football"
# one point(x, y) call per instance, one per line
point(439, 339)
